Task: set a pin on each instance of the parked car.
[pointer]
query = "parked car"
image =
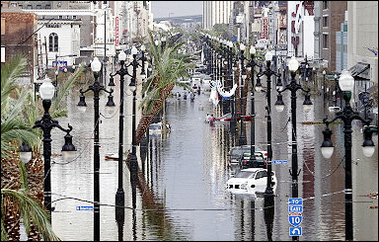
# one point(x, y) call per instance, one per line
point(228, 117)
point(245, 162)
point(250, 181)
point(236, 152)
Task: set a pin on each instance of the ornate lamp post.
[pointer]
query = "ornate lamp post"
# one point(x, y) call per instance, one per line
point(120, 195)
point(47, 91)
point(293, 86)
point(243, 76)
point(250, 68)
point(268, 73)
point(347, 115)
point(96, 87)
point(133, 159)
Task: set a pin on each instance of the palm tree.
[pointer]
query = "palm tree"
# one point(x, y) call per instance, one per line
point(19, 111)
point(169, 65)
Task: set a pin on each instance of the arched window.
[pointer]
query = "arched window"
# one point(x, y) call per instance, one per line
point(53, 42)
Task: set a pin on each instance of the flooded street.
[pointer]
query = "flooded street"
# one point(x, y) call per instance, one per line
point(187, 171)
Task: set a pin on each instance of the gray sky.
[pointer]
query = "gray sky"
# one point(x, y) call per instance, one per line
point(176, 8)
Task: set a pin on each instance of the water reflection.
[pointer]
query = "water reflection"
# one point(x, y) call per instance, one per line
point(181, 194)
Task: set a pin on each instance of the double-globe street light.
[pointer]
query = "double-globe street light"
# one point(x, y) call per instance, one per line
point(347, 115)
point(242, 78)
point(133, 87)
point(293, 87)
point(96, 87)
point(268, 73)
point(46, 123)
point(251, 67)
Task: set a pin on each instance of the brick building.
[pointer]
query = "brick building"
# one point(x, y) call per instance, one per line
point(332, 16)
point(18, 35)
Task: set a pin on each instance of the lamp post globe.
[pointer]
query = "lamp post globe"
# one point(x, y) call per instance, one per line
point(293, 64)
point(134, 50)
point(253, 51)
point(346, 81)
point(368, 145)
point(96, 65)
point(268, 56)
point(25, 153)
point(47, 89)
point(122, 56)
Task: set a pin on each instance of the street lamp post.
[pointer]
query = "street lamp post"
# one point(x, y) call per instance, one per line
point(243, 76)
point(293, 86)
point(47, 91)
point(347, 115)
point(233, 121)
point(96, 87)
point(268, 73)
point(250, 68)
point(132, 87)
point(120, 195)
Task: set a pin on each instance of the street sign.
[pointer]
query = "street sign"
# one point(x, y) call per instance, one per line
point(295, 201)
point(295, 220)
point(279, 162)
point(295, 231)
point(84, 208)
point(295, 209)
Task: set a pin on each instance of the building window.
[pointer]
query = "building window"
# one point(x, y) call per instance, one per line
point(324, 21)
point(325, 41)
point(48, 6)
point(325, 4)
point(2, 26)
point(53, 42)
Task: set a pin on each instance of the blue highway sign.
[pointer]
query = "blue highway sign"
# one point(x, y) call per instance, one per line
point(295, 209)
point(295, 220)
point(279, 162)
point(295, 201)
point(295, 231)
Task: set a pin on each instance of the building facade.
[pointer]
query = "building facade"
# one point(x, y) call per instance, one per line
point(332, 15)
point(18, 36)
point(216, 12)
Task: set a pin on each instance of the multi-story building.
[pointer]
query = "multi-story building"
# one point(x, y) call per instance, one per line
point(216, 12)
point(341, 47)
point(18, 36)
point(362, 27)
point(332, 15)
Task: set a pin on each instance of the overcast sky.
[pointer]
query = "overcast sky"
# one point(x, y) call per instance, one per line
point(176, 8)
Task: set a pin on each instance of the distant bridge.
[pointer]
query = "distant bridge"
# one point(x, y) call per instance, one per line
point(181, 19)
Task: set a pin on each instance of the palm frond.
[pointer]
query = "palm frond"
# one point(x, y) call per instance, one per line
point(31, 209)
point(55, 109)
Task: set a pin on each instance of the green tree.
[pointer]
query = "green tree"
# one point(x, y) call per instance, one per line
point(19, 111)
point(168, 66)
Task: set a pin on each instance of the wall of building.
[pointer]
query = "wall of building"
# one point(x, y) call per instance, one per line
point(19, 37)
point(363, 22)
point(332, 16)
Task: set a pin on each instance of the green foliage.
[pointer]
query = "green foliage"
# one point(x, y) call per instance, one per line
point(29, 209)
point(13, 125)
point(19, 112)
point(169, 66)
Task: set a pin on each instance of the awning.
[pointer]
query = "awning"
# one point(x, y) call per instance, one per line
point(360, 71)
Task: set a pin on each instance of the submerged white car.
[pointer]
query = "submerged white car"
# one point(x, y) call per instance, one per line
point(250, 181)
